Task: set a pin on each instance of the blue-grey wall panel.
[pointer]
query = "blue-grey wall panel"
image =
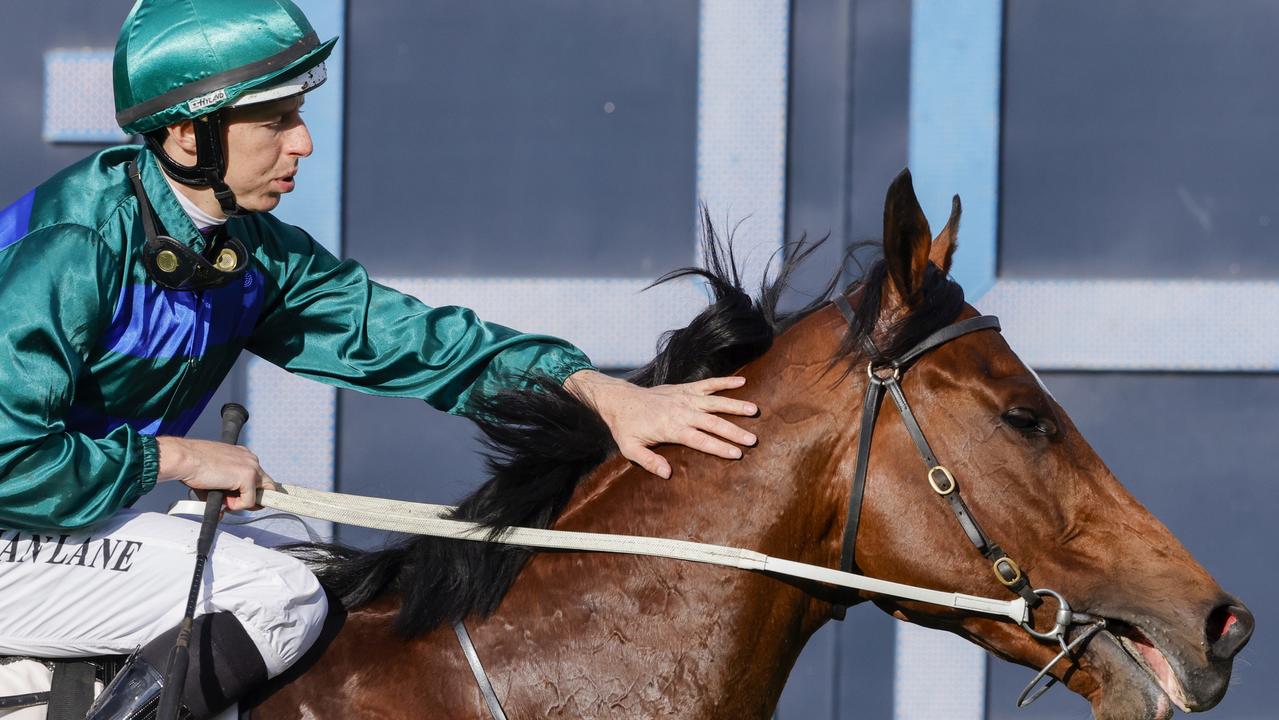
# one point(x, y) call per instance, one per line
point(1139, 139)
point(521, 138)
point(27, 30)
point(1198, 451)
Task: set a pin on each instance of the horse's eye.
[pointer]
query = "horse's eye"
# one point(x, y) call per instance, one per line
point(1025, 420)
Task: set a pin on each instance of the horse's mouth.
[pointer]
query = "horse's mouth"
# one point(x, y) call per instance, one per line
point(1149, 659)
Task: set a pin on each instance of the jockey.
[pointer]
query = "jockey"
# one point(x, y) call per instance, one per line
point(132, 280)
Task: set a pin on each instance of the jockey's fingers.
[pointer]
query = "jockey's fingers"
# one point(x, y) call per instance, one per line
point(708, 444)
point(243, 496)
point(720, 404)
point(263, 481)
point(646, 459)
point(710, 386)
point(725, 429)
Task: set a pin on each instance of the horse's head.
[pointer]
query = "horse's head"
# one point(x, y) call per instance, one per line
point(1036, 488)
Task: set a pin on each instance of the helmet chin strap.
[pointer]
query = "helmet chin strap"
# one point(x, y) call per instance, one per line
point(210, 162)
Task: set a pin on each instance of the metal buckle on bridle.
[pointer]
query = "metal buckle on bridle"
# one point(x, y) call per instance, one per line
point(1008, 580)
point(938, 488)
point(1061, 627)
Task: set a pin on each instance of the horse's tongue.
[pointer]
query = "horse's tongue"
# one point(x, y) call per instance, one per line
point(1162, 671)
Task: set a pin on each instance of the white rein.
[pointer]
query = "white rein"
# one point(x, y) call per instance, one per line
point(421, 518)
point(426, 519)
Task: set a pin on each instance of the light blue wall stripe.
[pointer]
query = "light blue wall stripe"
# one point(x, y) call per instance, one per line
point(954, 125)
point(316, 204)
point(953, 149)
point(294, 429)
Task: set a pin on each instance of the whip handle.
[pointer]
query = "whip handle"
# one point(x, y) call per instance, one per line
point(233, 418)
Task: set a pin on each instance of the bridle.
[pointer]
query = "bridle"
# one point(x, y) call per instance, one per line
point(884, 375)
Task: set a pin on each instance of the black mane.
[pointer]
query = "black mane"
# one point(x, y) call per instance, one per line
point(542, 440)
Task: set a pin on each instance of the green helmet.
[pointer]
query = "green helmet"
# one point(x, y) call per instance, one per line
point(182, 59)
point(188, 59)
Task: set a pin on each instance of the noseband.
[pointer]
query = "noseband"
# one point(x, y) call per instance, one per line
point(885, 376)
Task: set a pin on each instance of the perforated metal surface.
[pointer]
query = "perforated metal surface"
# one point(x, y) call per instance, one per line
point(294, 425)
point(292, 430)
point(741, 122)
point(78, 105)
point(954, 148)
point(937, 677)
point(1190, 325)
point(614, 320)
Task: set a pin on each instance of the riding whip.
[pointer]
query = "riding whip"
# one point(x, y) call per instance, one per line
point(233, 418)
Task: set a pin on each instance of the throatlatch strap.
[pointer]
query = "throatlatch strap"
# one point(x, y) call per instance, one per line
point(477, 669)
point(870, 411)
point(846, 308)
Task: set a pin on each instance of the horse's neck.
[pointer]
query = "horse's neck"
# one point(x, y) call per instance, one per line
point(781, 499)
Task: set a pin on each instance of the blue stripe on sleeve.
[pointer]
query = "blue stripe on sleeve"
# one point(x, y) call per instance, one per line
point(15, 219)
point(151, 322)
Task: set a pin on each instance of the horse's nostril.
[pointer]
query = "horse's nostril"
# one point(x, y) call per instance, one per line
point(1229, 628)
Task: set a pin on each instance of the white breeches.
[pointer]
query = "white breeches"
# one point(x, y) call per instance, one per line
point(115, 586)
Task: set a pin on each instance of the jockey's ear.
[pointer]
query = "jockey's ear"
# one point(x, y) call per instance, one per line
point(907, 240)
point(946, 241)
point(179, 141)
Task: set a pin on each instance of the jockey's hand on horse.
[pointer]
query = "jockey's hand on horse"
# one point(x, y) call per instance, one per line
point(203, 465)
point(685, 414)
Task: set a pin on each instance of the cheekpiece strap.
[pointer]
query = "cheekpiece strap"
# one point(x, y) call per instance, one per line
point(887, 378)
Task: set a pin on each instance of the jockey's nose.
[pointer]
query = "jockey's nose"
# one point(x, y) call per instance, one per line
point(1229, 629)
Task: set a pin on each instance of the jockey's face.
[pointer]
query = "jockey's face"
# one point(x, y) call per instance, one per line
point(264, 144)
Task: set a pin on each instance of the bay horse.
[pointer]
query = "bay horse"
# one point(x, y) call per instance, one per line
point(579, 635)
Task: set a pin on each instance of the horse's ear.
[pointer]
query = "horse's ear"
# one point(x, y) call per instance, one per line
point(907, 240)
point(946, 241)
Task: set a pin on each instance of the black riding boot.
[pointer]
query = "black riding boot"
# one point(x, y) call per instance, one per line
point(225, 665)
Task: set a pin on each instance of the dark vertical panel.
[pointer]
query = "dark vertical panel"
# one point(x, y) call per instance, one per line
point(1140, 139)
point(817, 150)
point(846, 140)
point(819, 134)
point(881, 98)
point(881, 107)
point(404, 449)
point(1197, 450)
point(515, 138)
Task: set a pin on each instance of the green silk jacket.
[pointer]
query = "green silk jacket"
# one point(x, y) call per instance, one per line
point(97, 359)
